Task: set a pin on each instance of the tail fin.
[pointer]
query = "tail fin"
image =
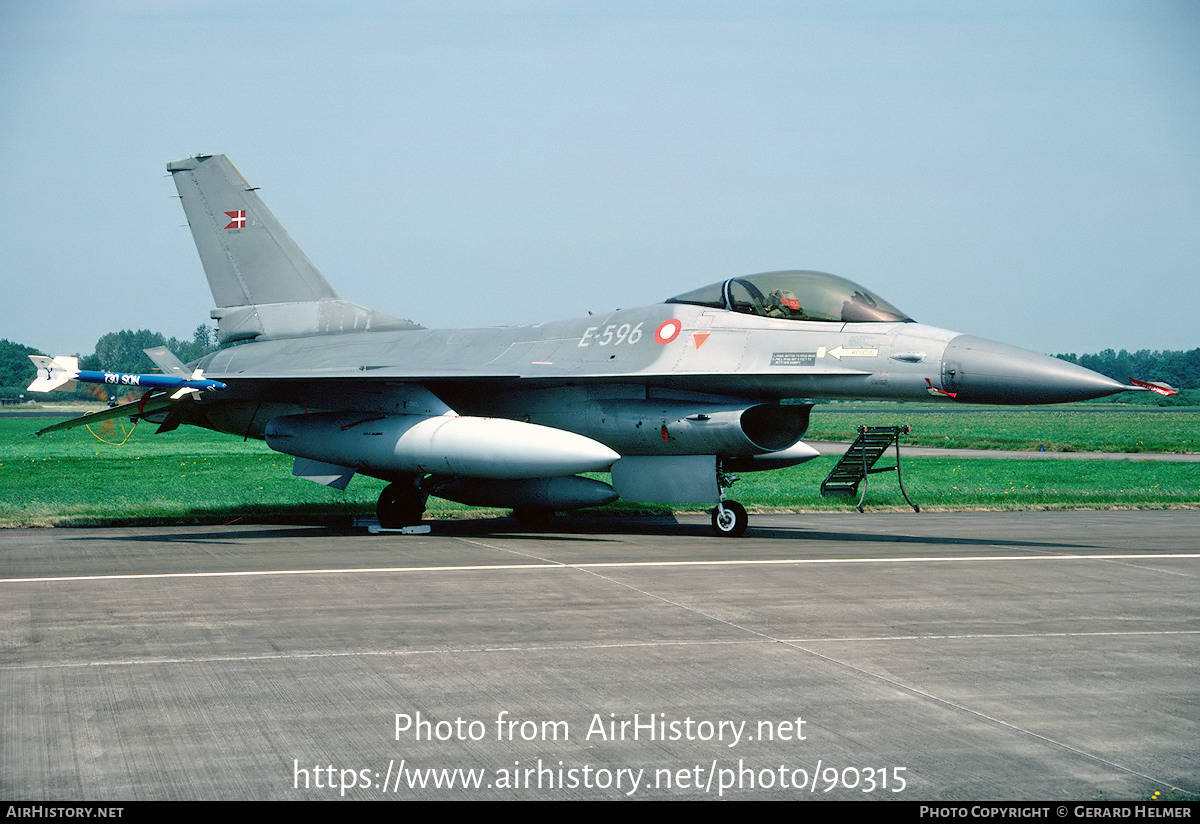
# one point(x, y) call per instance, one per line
point(264, 286)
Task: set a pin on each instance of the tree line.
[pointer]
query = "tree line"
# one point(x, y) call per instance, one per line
point(1179, 369)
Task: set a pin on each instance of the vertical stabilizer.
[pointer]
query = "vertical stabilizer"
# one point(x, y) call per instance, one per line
point(263, 285)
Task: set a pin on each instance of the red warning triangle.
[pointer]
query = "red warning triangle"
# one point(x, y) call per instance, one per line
point(700, 338)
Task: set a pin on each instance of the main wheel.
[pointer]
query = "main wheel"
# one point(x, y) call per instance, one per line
point(400, 504)
point(729, 519)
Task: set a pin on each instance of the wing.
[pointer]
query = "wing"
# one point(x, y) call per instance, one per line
point(149, 403)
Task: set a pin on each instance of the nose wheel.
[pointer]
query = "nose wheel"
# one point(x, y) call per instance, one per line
point(729, 519)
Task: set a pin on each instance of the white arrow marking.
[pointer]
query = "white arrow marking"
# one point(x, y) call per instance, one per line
point(840, 352)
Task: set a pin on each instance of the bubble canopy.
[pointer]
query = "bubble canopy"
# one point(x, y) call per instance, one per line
point(796, 295)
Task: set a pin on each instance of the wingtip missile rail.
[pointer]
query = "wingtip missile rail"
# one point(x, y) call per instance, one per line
point(62, 373)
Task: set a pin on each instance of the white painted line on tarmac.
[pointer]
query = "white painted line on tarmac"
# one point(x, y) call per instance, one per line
point(920, 559)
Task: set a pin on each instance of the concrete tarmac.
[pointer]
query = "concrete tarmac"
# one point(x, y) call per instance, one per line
point(952, 656)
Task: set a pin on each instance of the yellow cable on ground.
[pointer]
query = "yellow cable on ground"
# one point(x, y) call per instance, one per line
point(114, 443)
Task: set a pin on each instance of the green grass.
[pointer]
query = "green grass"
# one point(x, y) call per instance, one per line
point(986, 483)
point(1101, 428)
point(192, 475)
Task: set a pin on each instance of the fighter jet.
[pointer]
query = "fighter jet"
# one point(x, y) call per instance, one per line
point(669, 399)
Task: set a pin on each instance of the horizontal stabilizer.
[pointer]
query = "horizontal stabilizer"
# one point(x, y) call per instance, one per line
point(190, 381)
point(148, 403)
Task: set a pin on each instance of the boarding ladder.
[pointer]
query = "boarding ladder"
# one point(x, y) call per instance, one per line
point(859, 462)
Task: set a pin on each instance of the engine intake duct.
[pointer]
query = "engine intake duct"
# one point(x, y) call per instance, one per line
point(774, 426)
point(656, 427)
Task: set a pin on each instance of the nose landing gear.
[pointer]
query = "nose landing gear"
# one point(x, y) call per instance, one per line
point(729, 518)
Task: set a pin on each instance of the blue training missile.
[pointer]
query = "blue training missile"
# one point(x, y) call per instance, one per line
point(62, 372)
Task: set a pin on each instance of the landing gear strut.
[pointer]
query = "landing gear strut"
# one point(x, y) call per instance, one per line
point(401, 504)
point(729, 518)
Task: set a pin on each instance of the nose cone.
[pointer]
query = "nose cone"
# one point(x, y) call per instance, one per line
point(983, 371)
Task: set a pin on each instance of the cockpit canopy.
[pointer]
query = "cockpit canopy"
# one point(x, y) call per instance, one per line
point(796, 296)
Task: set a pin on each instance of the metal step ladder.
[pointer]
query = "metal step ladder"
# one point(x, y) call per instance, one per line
point(859, 461)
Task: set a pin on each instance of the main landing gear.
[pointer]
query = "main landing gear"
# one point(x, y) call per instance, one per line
point(401, 504)
point(729, 518)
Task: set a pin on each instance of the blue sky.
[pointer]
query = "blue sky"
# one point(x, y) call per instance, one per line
point(1024, 171)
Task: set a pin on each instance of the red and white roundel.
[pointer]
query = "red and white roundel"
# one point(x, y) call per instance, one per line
point(667, 331)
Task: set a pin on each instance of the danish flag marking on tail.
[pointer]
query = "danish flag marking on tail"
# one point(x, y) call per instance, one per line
point(237, 219)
